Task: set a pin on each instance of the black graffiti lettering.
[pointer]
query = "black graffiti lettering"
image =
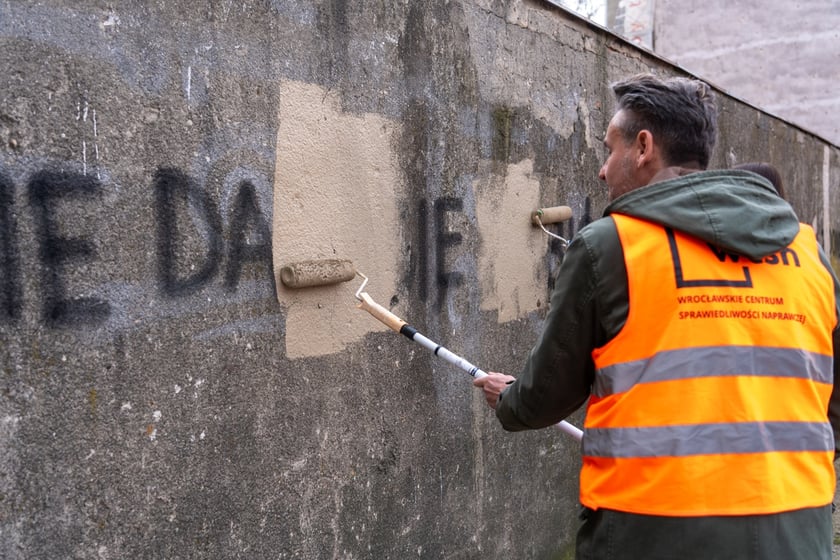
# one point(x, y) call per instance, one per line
point(10, 286)
point(45, 190)
point(190, 242)
point(423, 250)
point(247, 218)
point(174, 190)
point(189, 237)
point(445, 240)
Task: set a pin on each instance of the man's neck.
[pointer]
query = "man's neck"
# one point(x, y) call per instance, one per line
point(673, 172)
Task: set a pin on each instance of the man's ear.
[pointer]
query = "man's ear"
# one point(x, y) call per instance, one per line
point(645, 147)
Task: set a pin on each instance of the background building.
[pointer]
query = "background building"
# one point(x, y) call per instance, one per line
point(782, 56)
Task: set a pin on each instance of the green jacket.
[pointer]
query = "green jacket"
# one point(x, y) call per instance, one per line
point(734, 210)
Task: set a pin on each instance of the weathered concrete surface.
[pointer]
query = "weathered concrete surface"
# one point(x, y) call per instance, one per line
point(161, 398)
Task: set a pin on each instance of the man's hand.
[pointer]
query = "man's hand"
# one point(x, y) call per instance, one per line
point(493, 385)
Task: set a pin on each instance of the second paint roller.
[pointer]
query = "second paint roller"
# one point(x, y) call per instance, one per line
point(552, 215)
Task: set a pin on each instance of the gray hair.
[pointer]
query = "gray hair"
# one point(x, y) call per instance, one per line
point(679, 112)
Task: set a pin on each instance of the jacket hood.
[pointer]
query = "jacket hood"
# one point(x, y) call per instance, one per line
point(735, 210)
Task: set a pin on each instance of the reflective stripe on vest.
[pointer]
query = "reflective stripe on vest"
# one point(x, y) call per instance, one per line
point(713, 398)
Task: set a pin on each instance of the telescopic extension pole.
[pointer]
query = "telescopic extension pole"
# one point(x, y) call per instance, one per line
point(400, 326)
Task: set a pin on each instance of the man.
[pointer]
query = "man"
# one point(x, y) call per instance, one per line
point(698, 318)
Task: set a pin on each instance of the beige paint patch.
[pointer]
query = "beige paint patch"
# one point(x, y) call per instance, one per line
point(334, 197)
point(513, 278)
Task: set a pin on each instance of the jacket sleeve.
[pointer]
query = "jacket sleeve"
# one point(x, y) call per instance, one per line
point(834, 402)
point(588, 307)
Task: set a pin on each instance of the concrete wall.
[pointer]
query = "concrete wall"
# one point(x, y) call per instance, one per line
point(162, 398)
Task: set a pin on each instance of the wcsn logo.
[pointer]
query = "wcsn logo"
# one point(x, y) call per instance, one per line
point(786, 257)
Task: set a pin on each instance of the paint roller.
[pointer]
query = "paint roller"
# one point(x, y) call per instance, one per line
point(551, 215)
point(306, 274)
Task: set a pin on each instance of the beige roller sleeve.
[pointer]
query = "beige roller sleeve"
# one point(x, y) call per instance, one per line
point(308, 274)
point(551, 215)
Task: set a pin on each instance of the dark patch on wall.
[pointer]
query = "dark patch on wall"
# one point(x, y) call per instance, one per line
point(438, 146)
point(422, 258)
point(502, 117)
point(567, 230)
point(434, 69)
point(46, 190)
point(332, 22)
point(414, 50)
point(415, 208)
point(586, 219)
point(10, 278)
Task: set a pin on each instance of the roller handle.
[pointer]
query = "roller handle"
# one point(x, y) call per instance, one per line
point(389, 319)
point(397, 324)
point(551, 215)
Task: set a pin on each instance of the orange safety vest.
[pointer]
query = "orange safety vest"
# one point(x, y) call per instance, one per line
point(713, 398)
